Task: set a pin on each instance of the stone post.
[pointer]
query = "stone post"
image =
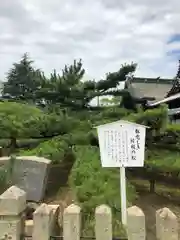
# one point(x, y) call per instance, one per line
point(12, 206)
point(135, 224)
point(72, 222)
point(42, 218)
point(103, 225)
point(166, 225)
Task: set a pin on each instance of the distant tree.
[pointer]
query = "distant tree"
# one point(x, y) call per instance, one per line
point(22, 80)
point(105, 101)
point(111, 101)
point(67, 89)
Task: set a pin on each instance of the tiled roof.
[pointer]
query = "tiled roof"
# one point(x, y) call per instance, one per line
point(151, 87)
point(153, 80)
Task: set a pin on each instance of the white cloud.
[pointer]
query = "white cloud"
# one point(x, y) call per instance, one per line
point(104, 33)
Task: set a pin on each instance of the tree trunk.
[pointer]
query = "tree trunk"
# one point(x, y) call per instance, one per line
point(152, 186)
point(13, 144)
point(1, 152)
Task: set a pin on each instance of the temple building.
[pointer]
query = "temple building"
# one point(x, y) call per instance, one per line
point(156, 88)
point(152, 92)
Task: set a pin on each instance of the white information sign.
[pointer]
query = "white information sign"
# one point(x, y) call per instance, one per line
point(122, 144)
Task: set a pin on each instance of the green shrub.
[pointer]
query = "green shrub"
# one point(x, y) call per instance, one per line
point(15, 119)
point(76, 138)
point(4, 142)
point(94, 185)
point(114, 112)
point(108, 114)
point(156, 119)
point(57, 148)
point(23, 143)
point(52, 149)
point(173, 130)
point(163, 161)
point(52, 125)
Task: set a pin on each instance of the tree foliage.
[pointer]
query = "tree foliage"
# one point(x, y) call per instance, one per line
point(15, 119)
point(22, 80)
point(67, 89)
point(18, 120)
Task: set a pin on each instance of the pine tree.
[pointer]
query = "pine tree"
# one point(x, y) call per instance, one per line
point(70, 90)
point(22, 80)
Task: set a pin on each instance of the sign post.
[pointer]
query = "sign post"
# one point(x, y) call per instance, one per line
point(122, 144)
point(123, 195)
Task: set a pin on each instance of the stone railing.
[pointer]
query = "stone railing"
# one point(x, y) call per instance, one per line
point(49, 219)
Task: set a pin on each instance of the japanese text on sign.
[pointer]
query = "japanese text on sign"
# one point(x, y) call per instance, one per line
point(135, 144)
point(115, 145)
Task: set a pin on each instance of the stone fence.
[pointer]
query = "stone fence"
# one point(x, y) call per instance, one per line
point(49, 219)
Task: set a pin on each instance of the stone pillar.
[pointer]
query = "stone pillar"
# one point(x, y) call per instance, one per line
point(166, 225)
point(42, 218)
point(135, 224)
point(12, 206)
point(103, 226)
point(72, 222)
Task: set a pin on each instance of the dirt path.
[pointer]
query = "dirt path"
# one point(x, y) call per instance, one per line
point(150, 203)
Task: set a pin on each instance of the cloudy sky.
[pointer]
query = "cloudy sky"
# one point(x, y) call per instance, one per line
point(104, 33)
